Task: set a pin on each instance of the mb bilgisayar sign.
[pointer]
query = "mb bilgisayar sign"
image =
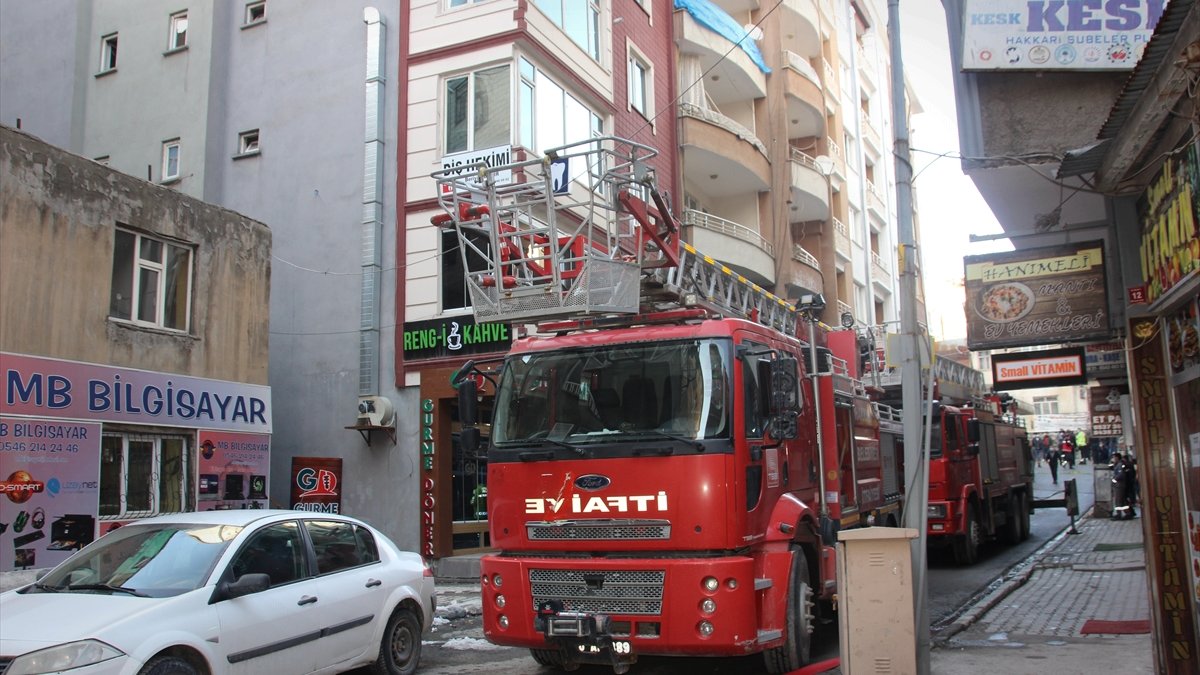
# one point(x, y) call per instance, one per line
point(1038, 296)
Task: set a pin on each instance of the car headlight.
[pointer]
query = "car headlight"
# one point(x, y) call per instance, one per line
point(63, 657)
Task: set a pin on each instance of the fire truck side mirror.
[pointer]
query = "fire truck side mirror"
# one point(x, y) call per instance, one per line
point(468, 439)
point(973, 430)
point(468, 404)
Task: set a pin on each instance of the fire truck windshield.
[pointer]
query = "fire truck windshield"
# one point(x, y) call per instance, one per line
point(672, 391)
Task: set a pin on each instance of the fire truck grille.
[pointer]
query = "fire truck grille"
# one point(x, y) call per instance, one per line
point(637, 592)
point(607, 530)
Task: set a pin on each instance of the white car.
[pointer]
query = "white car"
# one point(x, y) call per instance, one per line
point(285, 592)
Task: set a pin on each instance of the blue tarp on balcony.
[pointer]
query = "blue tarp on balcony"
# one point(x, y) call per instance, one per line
point(718, 21)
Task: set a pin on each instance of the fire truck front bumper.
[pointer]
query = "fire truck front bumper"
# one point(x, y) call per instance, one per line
point(940, 519)
point(585, 637)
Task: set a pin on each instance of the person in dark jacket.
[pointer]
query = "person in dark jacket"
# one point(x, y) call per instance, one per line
point(1120, 488)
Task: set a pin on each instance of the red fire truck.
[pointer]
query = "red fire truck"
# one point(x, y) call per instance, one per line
point(980, 478)
point(673, 449)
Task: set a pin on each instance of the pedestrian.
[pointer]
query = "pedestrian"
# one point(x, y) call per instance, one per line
point(1133, 489)
point(1052, 459)
point(1043, 451)
point(1067, 450)
point(1120, 488)
point(1081, 445)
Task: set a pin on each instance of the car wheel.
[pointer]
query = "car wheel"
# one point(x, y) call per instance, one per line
point(553, 658)
point(166, 664)
point(400, 649)
point(800, 623)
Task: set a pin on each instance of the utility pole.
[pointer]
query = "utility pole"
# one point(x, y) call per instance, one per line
point(916, 467)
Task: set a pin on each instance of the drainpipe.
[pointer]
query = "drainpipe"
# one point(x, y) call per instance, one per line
point(372, 222)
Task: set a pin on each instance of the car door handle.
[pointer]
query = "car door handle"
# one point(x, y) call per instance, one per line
point(307, 600)
point(372, 583)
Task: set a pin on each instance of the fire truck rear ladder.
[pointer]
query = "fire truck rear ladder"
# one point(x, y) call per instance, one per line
point(584, 232)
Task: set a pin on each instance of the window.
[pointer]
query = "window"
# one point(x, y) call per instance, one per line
point(454, 285)
point(579, 19)
point(277, 551)
point(640, 81)
point(151, 281)
point(551, 115)
point(108, 53)
point(256, 12)
point(143, 475)
point(478, 110)
point(463, 3)
point(177, 36)
point(1045, 405)
point(248, 142)
point(170, 160)
point(340, 545)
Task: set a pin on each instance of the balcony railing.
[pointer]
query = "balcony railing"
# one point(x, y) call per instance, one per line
point(801, 255)
point(843, 308)
point(801, 65)
point(842, 237)
point(875, 200)
point(872, 134)
point(716, 119)
point(878, 270)
point(728, 228)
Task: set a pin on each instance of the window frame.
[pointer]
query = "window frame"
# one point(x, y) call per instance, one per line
point(592, 22)
point(638, 63)
point(174, 44)
point(138, 265)
point(249, 143)
point(164, 174)
point(471, 77)
point(541, 79)
point(109, 44)
point(247, 16)
point(154, 479)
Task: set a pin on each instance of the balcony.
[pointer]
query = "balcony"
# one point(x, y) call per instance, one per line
point(871, 138)
point(809, 190)
point(721, 157)
point(842, 239)
point(735, 6)
point(875, 203)
point(839, 160)
point(829, 81)
point(737, 246)
point(879, 272)
point(800, 25)
point(805, 99)
point(804, 273)
point(729, 72)
point(866, 69)
point(844, 308)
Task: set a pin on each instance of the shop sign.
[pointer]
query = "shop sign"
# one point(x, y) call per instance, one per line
point(317, 484)
point(1057, 35)
point(232, 470)
point(1104, 358)
point(1169, 212)
point(1038, 296)
point(465, 165)
point(455, 336)
point(1047, 368)
point(428, 484)
point(1104, 405)
point(49, 490)
point(43, 387)
point(1183, 341)
point(1137, 295)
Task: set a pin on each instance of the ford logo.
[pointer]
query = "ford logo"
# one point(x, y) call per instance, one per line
point(592, 482)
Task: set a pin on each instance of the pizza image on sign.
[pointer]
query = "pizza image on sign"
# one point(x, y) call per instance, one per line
point(1005, 302)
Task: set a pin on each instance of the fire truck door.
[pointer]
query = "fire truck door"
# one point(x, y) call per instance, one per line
point(848, 472)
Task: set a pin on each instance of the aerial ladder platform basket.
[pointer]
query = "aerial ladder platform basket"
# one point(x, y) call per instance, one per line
point(580, 231)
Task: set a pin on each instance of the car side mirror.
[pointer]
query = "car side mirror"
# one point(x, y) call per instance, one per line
point(247, 584)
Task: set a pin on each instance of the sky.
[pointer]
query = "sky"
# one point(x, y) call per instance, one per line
point(949, 207)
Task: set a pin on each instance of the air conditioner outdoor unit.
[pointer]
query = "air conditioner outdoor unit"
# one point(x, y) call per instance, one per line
point(376, 411)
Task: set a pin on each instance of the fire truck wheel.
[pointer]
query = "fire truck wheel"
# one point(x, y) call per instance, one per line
point(798, 633)
point(1012, 526)
point(966, 545)
point(553, 658)
point(1024, 516)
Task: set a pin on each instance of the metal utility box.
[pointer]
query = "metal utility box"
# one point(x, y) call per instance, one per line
point(876, 615)
point(1102, 486)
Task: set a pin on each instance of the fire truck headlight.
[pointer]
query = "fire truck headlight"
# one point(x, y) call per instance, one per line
point(710, 584)
point(937, 511)
point(497, 580)
point(731, 583)
point(708, 606)
point(705, 629)
point(502, 621)
point(500, 601)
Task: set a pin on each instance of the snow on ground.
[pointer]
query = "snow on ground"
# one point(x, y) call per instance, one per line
point(469, 644)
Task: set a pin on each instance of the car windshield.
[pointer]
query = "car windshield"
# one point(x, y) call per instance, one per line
point(156, 560)
point(616, 392)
